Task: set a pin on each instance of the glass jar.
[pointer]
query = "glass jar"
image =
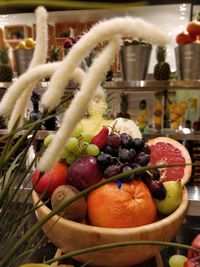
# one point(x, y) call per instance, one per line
point(158, 110)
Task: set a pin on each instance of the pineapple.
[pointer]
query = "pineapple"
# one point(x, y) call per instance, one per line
point(6, 73)
point(162, 68)
point(96, 118)
point(124, 107)
point(55, 52)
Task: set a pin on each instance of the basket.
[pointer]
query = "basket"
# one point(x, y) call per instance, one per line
point(69, 236)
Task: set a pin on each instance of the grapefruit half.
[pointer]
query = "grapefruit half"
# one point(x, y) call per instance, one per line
point(165, 150)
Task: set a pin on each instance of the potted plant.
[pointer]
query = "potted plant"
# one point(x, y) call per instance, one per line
point(134, 58)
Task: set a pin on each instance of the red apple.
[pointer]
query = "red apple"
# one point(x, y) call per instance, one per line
point(184, 38)
point(85, 172)
point(50, 180)
point(68, 43)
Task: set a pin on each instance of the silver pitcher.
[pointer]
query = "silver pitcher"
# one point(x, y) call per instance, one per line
point(22, 59)
point(134, 60)
point(188, 61)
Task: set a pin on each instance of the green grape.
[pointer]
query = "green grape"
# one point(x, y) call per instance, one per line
point(72, 144)
point(77, 130)
point(65, 153)
point(93, 150)
point(78, 152)
point(48, 139)
point(71, 158)
point(87, 136)
point(83, 146)
point(177, 261)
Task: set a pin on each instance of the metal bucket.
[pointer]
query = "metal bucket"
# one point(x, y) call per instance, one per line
point(22, 59)
point(134, 60)
point(188, 61)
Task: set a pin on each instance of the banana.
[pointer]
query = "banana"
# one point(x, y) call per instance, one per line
point(123, 125)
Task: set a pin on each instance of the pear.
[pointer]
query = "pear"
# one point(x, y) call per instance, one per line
point(173, 197)
point(177, 260)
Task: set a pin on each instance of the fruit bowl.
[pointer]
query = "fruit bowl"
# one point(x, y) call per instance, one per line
point(70, 236)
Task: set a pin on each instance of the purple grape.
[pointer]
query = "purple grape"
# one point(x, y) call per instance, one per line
point(112, 170)
point(133, 152)
point(125, 155)
point(127, 140)
point(155, 174)
point(140, 174)
point(146, 149)
point(157, 190)
point(114, 140)
point(110, 150)
point(147, 179)
point(138, 144)
point(127, 178)
point(135, 165)
point(105, 159)
point(142, 159)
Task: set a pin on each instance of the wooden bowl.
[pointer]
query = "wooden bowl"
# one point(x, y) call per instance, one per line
point(69, 236)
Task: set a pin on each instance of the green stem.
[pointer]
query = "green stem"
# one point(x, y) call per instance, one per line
point(56, 210)
point(120, 244)
point(69, 4)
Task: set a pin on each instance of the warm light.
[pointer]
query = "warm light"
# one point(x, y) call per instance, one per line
point(186, 130)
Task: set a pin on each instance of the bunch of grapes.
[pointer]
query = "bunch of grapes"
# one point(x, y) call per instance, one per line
point(122, 153)
point(78, 145)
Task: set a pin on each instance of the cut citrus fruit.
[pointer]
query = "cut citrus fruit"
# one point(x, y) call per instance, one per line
point(165, 150)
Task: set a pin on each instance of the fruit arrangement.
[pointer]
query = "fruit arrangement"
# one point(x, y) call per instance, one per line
point(142, 116)
point(27, 43)
point(158, 115)
point(177, 113)
point(191, 34)
point(70, 41)
point(136, 198)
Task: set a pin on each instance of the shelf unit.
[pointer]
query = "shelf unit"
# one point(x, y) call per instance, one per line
point(132, 86)
point(153, 85)
point(13, 34)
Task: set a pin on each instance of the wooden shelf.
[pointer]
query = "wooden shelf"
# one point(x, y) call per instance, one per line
point(153, 85)
point(17, 32)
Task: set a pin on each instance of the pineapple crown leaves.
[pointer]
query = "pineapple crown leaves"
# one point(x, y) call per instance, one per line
point(161, 53)
point(55, 51)
point(4, 58)
point(124, 102)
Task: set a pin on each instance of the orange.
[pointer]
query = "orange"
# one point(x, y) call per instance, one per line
point(131, 205)
point(165, 150)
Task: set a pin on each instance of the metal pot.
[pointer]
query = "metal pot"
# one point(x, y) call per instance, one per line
point(22, 58)
point(134, 60)
point(188, 61)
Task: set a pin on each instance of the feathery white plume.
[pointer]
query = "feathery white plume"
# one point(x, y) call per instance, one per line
point(39, 57)
point(105, 30)
point(79, 104)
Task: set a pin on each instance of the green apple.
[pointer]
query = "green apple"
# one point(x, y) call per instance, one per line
point(173, 197)
point(177, 261)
